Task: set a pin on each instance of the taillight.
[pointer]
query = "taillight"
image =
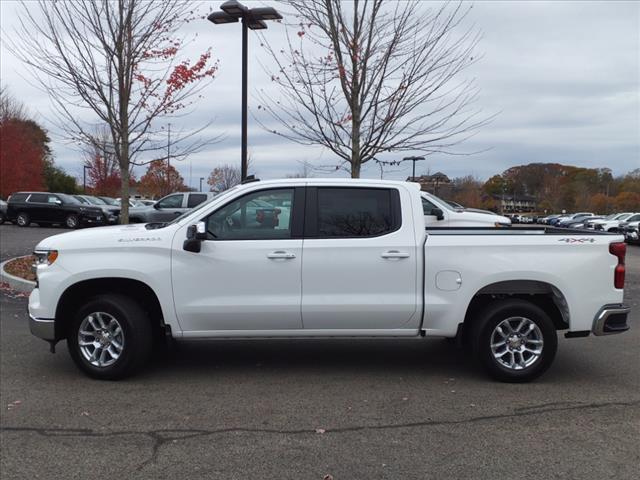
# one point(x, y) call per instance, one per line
point(619, 250)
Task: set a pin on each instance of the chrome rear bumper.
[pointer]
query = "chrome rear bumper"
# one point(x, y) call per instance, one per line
point(611, 319)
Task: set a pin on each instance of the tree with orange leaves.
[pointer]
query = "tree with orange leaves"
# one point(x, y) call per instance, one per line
point(160, 180)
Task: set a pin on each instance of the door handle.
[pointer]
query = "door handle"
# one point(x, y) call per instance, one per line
point(177, 213)
point(281, 254)
point(395, 254)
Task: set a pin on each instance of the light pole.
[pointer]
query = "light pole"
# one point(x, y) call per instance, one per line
point(414, 159)
point(233, 11)
point(84, 177)
point(201, 178)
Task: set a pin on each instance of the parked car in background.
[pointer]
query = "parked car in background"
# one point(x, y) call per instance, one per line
point(3, 211)
point(574, 217)
point(629, 221)
point(548, 218)
point(52, 208)
point(608, 218)
point(169, 207)
point(582, 222)
point(631, 232)
point(613, 224)
point(439, 213)
point(110, 212)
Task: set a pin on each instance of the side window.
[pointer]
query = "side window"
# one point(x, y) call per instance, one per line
point(254, 217)
point(18, 197)
point(427, 206)
point(356, 212)
point(52, 199)
point(195, 199)
point(172, 201)
point(38, 198)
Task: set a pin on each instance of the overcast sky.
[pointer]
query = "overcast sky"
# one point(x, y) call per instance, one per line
point(563, 78)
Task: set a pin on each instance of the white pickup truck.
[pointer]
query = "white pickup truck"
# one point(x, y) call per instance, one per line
point(325, 258)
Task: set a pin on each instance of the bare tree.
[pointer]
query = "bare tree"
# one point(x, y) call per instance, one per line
point(367, 77)
point(223, 178)
point(10, 108)
point(117, 60)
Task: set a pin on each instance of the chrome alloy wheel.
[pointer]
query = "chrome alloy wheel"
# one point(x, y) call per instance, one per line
point(516, 343)
point(101, 339)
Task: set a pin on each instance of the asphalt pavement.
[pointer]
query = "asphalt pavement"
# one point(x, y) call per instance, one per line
point(304, 409)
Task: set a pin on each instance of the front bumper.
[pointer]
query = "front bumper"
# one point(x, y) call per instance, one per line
point(611, 319)
point(44, 328)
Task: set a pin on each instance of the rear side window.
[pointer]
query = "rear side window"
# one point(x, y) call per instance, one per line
point(38, 198)
point(18, 197)
point(196, 199)
point(356, 212)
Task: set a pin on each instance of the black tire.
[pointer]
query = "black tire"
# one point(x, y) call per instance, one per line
point(23, 220)
point(486, 327)
point(72, 221)
point(2, 218)
point(138, 336)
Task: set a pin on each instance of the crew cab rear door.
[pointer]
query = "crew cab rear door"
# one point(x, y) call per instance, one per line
point(360, 262)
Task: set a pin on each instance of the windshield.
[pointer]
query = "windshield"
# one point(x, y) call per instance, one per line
point(69, 199)
point(110, 201)
point(623, 216)
point(96, 201)
point(81, 200)
point(439, 202)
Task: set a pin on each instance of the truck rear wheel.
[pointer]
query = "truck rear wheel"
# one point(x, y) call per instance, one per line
point(110, 337)
point(515, 340)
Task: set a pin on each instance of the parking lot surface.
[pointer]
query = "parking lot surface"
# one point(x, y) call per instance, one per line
point(304, 409)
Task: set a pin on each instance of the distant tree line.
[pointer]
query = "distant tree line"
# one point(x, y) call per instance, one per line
point(555, 187)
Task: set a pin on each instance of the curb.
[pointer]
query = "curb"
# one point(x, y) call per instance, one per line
point(16, 283)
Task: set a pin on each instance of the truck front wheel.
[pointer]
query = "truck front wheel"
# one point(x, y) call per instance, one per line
point(110, 337)
point(515, 340)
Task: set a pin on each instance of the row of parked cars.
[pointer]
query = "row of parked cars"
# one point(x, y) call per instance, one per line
point(626, 223)
point(72, 211)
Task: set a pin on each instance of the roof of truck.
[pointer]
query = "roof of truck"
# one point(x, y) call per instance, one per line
point(340, 181)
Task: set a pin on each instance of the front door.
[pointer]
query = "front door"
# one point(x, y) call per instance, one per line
point(360, 263)
point(247, 274)
point(168, 208)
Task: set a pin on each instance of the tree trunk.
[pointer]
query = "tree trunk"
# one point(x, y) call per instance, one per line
point(124, 185)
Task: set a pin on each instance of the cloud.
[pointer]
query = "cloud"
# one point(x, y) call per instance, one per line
point(563, 78)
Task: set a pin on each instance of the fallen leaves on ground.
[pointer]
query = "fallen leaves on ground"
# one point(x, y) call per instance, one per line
point(21, 267)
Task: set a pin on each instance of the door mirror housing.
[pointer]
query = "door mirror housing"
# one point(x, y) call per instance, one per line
point(156, 206)
point(438, 213)
point(195, 235)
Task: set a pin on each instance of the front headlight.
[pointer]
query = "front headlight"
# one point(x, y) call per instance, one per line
point(45, 257)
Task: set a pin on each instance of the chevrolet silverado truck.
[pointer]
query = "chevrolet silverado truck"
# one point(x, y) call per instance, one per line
point(303, 258)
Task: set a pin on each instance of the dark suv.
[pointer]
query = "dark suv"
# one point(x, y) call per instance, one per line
point(51, 208)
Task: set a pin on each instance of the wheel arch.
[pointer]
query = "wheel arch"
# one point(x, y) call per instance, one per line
point(75, 294)
point(542, 294)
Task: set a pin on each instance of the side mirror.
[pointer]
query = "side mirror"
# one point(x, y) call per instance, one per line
point(438, 213)
point(156, 206)
point(195, 234)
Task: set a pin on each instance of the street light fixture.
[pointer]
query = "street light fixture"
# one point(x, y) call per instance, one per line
point(414, 160)
point(201, 179)
point(233, 11)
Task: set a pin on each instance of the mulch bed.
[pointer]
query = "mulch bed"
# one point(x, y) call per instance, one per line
point(21, 267)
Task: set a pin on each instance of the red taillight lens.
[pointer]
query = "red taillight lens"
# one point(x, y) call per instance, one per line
point(619, 250)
